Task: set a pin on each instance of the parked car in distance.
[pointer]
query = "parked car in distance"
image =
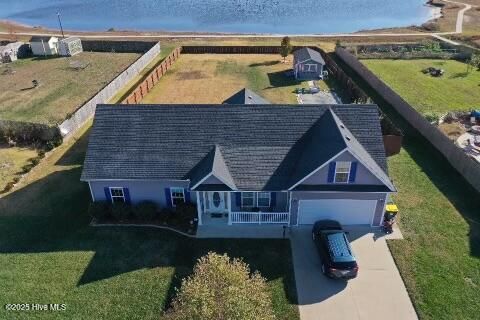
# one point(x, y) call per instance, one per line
point(338, 260)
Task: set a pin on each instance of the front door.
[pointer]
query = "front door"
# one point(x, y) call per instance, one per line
point(217, 202)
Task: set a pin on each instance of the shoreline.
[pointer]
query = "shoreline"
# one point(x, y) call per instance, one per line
point(18, 27)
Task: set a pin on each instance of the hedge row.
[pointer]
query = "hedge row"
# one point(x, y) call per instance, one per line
point(146, 211)
point(30, 133)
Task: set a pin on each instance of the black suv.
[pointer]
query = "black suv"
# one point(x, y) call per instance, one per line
point(338, 260)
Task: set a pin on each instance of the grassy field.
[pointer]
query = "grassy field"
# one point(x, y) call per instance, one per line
point(62, 89)
point(455, 90)
point(212, 78)
point(12, 160)
point(49, 253)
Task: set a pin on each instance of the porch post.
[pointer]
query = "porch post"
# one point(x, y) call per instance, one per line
point(199, 209)
point(229, 207)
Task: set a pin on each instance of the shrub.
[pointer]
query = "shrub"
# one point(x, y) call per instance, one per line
point(26, 168)
point(183, 214)
point(99, 210)
point(121, 211)
point(432, 117)
point(146, 210)
point(35, 161)
point(221, 288)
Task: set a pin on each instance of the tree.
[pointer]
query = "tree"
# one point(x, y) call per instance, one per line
point(221, 288)
point(285, 48)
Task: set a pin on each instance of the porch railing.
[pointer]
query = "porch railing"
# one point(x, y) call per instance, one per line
point(260, 217)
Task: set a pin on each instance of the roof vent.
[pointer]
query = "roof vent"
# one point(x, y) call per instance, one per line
point(347, 137)
point(250, 97)
point(342, 126)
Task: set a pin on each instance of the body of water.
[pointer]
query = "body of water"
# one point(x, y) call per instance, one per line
point(245, 16)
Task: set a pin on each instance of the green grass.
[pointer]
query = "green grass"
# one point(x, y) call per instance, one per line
point(455, 90)
point(439, 259)
point(49, 253)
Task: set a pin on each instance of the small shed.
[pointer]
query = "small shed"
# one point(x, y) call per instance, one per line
point(44, 45)
point(12, 51)
point(70, 46)
point(308, 64)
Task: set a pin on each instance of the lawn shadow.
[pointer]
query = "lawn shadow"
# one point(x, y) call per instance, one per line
point(51, 215)
point(279, 79)
point(458, 75)
point(265, 64)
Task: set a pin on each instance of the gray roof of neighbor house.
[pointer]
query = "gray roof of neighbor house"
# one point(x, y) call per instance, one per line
point(305, 54)
point(246, 96)
point(247, 147)
point(40, 38)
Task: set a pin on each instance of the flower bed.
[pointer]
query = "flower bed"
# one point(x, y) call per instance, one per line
point(182, 218)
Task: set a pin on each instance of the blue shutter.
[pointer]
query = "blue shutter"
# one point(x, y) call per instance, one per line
point(353, 172)
point(187, 196)
point(126, 194)
point(273, 199)
point(168, 197)
point(238, 199)
point(331, 171)
point(108, 196)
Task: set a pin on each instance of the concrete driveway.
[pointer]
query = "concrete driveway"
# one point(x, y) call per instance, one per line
point(377, 293)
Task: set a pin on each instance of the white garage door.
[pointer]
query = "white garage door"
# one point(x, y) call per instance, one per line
point(345, 211)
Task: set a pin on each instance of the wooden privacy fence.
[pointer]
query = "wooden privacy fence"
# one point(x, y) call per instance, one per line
point(152, 78)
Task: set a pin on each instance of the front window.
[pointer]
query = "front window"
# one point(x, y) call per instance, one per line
point(263, 199)
point(117, 195)
point(342, 171)
point(177, 195)
point(248, 199)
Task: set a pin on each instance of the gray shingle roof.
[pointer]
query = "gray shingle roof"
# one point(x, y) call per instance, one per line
point(246, 96)
point(251, 147)
point(305, 54)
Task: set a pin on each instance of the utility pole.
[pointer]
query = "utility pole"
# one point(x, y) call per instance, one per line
point(60, 23)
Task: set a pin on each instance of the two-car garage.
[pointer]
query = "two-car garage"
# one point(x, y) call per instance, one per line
point(345, 211)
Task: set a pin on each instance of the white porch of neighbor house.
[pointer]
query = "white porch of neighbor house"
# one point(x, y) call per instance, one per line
point(216, 208)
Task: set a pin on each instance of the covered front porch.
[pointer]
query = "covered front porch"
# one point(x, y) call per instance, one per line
point(254, 208)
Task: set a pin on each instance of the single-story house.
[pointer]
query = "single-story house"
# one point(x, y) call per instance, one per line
point(12, 51)
point(243, 164)
point(308, 64)
point(44, 45)
point(246, 96)
point(70, 46)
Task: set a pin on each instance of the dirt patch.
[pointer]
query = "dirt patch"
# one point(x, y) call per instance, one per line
point(452, 130)
point(192, 75)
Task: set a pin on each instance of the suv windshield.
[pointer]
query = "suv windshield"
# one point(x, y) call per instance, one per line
point(338, 247)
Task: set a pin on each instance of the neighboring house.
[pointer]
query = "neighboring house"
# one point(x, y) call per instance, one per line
point(12, 51)
point(246, 96)
point(308, 64)
point(70, 46)
point(44, 45)
point(243, 164)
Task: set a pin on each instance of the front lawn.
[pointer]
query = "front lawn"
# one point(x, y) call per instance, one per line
point(455, 90)
point(49, 254)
